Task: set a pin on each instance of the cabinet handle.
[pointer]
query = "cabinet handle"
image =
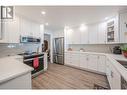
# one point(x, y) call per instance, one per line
point(87, 58)
point(111, 74)
point(125, 24)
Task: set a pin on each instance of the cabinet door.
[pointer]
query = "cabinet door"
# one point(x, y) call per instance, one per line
point(116, 79)
point(12, 31)
point(83, 60)
point(76, 36)
point(67, 59)
point(75, 59)
point(108, 72)
point(35, 29)
point(92, 62)
point(93, 33)
point(112, 30)
point(68, 37)
point(123, 27)
point(101, 64)
point(5, 35)
point(117, 32)
point(102, 33)
point(84, 37)
point(25, 27)
point(72, 59)
point(113, 76)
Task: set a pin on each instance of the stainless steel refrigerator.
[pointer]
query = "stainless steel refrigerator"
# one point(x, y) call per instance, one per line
point(58, 50)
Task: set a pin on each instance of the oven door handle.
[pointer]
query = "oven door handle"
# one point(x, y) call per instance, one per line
point(32, 59)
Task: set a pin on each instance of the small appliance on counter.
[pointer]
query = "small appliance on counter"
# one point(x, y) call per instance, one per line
point(117, 50)
point(82, 50)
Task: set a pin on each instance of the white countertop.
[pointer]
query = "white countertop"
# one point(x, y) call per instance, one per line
point(11, 67)
point(114, 58)
point(119, 57)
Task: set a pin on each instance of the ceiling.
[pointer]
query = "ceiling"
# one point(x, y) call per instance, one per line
point(59, 16)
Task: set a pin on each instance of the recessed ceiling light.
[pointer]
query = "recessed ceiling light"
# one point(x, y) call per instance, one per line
point(47, 24)
point(43, 12)
point(82, 27)
point(106, 18)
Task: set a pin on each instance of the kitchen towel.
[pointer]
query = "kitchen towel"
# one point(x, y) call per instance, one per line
point(36, 62)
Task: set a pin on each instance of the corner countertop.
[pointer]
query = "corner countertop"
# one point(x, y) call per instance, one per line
point(11, 67)
point(118, 57)
point(114, 58)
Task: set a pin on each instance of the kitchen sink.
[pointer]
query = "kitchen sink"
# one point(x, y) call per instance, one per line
point(124, 63)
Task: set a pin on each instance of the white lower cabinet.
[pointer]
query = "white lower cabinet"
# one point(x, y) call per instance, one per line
point(87, 61)
point(92, 62)
point(75, 59)
point(113, 76)
point(97, 63)
point(83, 60)
point(101, 63)
point(72, 59)
point(108, 72)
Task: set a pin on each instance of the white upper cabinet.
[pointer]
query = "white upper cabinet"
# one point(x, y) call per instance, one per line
point(14, 31)
point(25, 27)
point(35, 30)
point(11, 31)
point(99, 33)
point(29, 28)
point(20, 26)
point(93, 33)
point(112, 30)
point(84, 36)
point(68, 36)
point(76, 38)
point(123, 27)
point(102, 33)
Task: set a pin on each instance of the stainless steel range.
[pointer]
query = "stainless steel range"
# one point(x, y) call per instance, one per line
point(28, 59)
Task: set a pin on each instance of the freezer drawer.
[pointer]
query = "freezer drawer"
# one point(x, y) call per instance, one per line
point(58, 59)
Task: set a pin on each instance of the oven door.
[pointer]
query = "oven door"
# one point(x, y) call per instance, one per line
point(30, 63)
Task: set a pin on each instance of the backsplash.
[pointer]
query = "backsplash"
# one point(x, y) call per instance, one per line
point(95, 48)
point(12, 49)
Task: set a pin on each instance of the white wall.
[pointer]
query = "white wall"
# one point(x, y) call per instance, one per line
point(101, 48)
point(18, 48)
point(58, 33)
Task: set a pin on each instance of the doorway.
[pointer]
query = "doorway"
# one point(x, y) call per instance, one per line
point(47, 46)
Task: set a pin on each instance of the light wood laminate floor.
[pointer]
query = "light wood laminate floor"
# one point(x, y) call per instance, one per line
point(65, 77)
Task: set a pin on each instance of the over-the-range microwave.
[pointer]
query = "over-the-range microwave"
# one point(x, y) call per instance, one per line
point(28, 39)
